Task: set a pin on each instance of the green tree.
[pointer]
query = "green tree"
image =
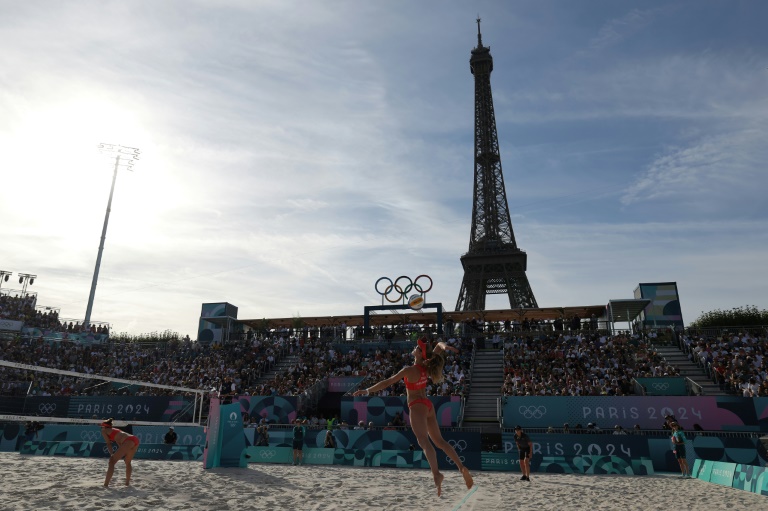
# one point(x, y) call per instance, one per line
point(749, 315)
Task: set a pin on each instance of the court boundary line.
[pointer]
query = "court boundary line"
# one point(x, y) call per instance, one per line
point(464, 500)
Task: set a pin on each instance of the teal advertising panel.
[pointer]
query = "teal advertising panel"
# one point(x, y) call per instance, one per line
point(276, 409)
point(663, 386)
point(231, 436)
point(712, 413)
point(722, 473)
point(381, 410)
point(99, 450)
point(122, 408)
point(269, 454)
point(187, 435)
point(749, 478)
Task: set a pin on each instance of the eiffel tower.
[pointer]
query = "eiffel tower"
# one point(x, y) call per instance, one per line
point(493, 264)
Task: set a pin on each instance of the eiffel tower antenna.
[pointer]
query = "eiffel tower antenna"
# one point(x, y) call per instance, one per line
point(493, 264)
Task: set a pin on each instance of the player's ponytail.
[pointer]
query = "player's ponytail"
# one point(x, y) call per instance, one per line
point(435, 364)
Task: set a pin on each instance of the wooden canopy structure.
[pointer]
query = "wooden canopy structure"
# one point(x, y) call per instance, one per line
point(430, 318)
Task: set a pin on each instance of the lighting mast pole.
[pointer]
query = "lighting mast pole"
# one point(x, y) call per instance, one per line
point(125, 157)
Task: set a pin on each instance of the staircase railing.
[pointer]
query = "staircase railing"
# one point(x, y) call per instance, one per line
point(694, 389)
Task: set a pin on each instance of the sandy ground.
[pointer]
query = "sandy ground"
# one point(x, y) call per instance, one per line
point(56, 483)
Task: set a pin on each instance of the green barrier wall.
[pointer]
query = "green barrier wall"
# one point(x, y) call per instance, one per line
point(99, 450)
point(750, 478)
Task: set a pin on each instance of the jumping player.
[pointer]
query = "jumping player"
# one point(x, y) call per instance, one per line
point(127, 445)
point(428, 361)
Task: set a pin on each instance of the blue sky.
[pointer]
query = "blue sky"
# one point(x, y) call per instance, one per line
point(293, 152)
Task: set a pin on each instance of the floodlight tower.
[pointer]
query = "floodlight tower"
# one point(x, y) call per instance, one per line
point(124, 157)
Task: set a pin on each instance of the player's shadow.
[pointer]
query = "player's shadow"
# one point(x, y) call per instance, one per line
point(249, 475)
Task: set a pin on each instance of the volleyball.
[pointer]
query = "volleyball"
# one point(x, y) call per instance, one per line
point(416, 302)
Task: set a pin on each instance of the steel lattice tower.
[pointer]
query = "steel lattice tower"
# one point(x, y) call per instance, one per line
point(493, 264)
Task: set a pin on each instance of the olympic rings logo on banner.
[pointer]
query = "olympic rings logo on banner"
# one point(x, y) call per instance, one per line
point(660, 386)
point(533, 412)
point(267, 454)
point(458, 445)
point(450, 461)
point(47, 408)
point(402, 286)
point(90, 436)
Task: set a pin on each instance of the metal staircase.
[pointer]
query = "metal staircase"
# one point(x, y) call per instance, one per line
point(487, 378)
point(281, 366)
point(676, 357)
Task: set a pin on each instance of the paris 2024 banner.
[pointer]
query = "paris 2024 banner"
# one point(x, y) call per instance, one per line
point(712, 413)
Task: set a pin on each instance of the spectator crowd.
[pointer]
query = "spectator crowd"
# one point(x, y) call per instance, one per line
point(579, 364)
point(737, 362)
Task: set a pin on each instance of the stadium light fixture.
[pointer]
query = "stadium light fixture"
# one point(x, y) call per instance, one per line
point(4, 276)
point(124, 157)
point(26, 279)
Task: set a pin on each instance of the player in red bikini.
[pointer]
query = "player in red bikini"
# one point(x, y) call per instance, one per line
point(127, 445)
point(428, 362)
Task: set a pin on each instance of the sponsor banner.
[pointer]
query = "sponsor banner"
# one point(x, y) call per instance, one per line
point(132, 408)
point(570, 464)
point(594, 465)
point(99, 450)
point(377, 439)
point(722, 473)
point(382, 410)
point(749, 478)
point(122, 408)
point(702, 469)
point(187, 435)
point(400, 459)
point(712, 413)
point(269, 454)
point(231, 436)
point(663, 386)
point(276, 409)
point(321, 456)
point(10, 325)
point(44, 406)
point(545, 444)
point(499, 462)
point(343, 383)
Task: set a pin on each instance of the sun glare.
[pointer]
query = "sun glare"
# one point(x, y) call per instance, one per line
point(53, 152)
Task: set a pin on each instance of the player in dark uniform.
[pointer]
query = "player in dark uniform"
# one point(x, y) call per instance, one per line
point(678, 442)
point(525, 447)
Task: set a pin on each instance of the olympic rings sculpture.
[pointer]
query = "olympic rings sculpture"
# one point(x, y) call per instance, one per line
point(400, 288)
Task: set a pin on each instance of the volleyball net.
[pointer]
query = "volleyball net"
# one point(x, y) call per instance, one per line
point(83, 398)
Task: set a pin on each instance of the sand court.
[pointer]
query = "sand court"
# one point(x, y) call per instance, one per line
point(58, 483)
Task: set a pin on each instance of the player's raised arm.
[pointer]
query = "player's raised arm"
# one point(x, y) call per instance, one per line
point(383, 384)
point(441, 346)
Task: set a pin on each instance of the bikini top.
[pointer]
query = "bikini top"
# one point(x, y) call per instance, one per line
point(421, 383)
point(114, 433)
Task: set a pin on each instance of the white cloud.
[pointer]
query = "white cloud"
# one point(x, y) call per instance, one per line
point(723, 168)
